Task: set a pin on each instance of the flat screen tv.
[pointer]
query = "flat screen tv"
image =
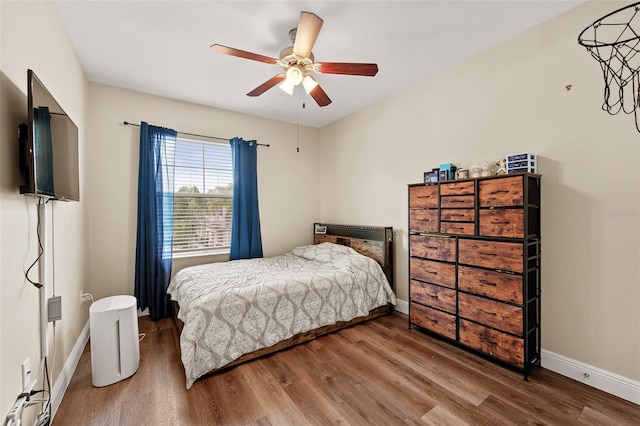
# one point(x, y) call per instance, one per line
point(48, 147)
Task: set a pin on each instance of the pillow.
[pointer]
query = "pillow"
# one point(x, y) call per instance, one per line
point(323, 252)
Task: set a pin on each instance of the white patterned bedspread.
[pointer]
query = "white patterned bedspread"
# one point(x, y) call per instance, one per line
point(237, 307)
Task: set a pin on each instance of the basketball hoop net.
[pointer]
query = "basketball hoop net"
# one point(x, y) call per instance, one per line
point(614, 40)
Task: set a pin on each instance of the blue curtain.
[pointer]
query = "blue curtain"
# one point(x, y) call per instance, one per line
point(246, 241)
point(155, 219)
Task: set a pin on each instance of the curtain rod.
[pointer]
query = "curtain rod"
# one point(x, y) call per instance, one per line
point(126, 123)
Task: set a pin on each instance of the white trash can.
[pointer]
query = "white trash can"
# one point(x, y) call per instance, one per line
point(115, 348)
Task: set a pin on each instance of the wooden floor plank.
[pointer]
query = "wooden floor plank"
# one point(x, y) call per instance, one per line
point(453, 379)
point(378, 373)
point(338, 386)
point(141, 409)
point(591, 417)
point(277, 406)
point(439, 416)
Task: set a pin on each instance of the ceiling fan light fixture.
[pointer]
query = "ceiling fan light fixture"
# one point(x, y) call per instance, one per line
point(309, 83)
point(287, 87)
point(295, 75)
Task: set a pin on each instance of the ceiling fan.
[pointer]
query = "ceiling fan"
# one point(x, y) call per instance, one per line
point(297, 62)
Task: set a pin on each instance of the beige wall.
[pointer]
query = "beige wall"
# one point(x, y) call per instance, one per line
point(287, 180)
point(32, 36)
point(507, 100)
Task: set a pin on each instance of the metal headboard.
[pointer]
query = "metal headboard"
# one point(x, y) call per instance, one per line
point(376, 233)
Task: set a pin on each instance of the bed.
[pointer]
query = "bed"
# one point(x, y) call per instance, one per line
point(231, 312)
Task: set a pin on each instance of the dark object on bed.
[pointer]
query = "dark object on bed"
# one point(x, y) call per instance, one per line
point(373, 242)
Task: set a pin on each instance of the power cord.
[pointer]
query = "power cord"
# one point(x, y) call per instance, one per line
point(44, 417)
point(40, 252)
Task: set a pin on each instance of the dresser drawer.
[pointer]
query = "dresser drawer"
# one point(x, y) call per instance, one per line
point(423, 220)
point(438, 248)
point(495, 314)
point(457, 188)
point(491, 254)
point(423, 196)
point(464, 201)
point(434, 296)
point(433, 272)
point(458, 215)
point(492, 342)
point(506, 223)
point(501, 192)
point(497, 285)
point(434, 320)
point(458, 228)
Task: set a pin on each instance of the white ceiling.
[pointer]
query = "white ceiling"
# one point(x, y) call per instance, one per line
point(162, 47)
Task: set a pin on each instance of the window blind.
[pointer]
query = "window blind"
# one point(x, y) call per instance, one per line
point(202, 202)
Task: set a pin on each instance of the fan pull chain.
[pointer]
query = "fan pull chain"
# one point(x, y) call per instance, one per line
point(304, 105)
point(298, 123)
point(299, 94)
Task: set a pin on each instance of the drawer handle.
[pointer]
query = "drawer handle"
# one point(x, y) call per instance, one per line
point(488, 283)
point(485, 312)
point(487, 254)
point(500, 223)
point(424, 196)
point(432, 247)
point(432, 320)
point(432, 272)
point(500, 191)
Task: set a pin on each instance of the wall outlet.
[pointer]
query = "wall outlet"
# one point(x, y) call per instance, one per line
point(26, 372)
point(85, 296)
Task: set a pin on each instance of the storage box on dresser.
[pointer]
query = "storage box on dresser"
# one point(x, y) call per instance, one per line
point(474, 265)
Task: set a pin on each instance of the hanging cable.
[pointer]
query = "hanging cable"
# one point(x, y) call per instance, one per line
point(47, 408)
point(40, 249)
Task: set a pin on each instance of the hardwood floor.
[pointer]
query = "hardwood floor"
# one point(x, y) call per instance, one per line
point(376, 373)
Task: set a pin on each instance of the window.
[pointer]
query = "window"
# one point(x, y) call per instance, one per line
point(203, 189)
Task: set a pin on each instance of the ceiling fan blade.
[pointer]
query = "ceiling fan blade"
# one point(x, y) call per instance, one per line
point(242, 54)
point(306, 34)
point(320, 96)
point(368, 70)
point(267, 85)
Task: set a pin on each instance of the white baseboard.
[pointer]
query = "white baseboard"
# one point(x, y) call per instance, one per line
point(69, 367)
point(402, 306)
point(598, 378)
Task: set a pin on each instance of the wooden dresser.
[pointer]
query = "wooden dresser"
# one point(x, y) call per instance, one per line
point(474, 265)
